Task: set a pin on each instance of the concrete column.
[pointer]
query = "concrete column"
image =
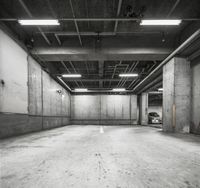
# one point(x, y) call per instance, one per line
point(195, 102)
point(176, 95)
point(143, 109)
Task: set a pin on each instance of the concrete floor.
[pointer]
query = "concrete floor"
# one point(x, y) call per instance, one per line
point(92, 156)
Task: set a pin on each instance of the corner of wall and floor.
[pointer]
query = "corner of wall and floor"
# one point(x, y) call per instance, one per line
point(29, 97)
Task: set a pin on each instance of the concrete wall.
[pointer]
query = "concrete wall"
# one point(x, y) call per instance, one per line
point(195, 98)
point(29, 100)
point(176, 95)
point(104, 109)
point(143, 109)
point(13, 71)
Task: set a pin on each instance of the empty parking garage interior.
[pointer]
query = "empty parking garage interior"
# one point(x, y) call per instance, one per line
point(100, 93)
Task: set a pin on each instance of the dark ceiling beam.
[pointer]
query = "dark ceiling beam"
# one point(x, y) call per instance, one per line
point(83, 19)
point(134, 65)
point(173, 8)
point(77, 28)
point(75, 22)
point(152, 84)
point(87, 12)
point(125, 70)
point(114, 71)
point(155, 87)
point(66, 33)
point(118, 12)
point(101, 68)
point(195, 55)
point(75, 71)
point(68, 71)
point(152, 74)
point(95, 79)
point(90, 54)
point(31, 16)
point(58, 39)
point(55, 16)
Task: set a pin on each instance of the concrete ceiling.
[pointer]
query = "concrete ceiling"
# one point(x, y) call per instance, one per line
point(99, 38)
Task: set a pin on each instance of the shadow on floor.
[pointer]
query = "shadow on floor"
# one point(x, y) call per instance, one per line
point(155, 125)
point(187, 137)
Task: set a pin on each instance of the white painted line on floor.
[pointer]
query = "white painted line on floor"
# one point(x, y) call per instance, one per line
point(101, 129)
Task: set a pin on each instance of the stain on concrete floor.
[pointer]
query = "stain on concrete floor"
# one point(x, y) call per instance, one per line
point(82, 157)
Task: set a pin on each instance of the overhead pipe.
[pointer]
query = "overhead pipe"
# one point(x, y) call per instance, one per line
point(151, 84)
point(181, 47)
point(71, 63)
point(154, 87)
point(121, 80)
point(63, 64)
point(131, 70)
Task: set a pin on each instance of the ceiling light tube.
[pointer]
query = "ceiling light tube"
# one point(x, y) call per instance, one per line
point(155, 92)
point(128, 75)
point(39, 22)
point(71, 75)
point(160, 22)
point(119, 89)
point(81, 90)
point(160, 89)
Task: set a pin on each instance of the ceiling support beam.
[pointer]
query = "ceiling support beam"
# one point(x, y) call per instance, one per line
point(91, 54)
point(58, 39)
point(72, 65)
point(31, 16)
point(101, 68)
point(75, 22)
point(87, 12)
point(83, 19)
point(155, 87)
point(134, 65)
point(113, 74)
point(173, 8)
point(183, 46)
point(195, 55)
point(68, 71)
point(55, 16)
point(94, 79)
point(66, 33)
point(152, 84)
point(118, 12)
point(124, 71)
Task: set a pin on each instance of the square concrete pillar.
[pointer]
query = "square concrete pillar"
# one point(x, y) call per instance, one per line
point(143, 109)
point(176, 95)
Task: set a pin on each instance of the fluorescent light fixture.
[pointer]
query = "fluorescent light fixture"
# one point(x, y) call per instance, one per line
point(160, 22)
point(39, 22)
point(81, 90)
point(119, 89)
point(160, 89)
point(128, 75)
point(155, 92)
point(71, 75)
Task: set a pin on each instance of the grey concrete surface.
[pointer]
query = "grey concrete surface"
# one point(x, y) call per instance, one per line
point(176, 95)
point(195, 98)
point(144, 109)
point(29, 100)
point(104, 109)
point(14, 92)
point(95, 156)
